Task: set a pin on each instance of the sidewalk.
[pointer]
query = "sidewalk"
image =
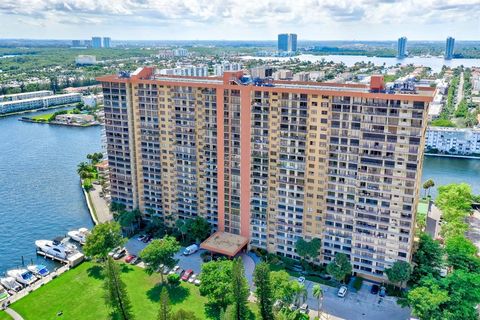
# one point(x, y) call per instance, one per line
point(101, 212)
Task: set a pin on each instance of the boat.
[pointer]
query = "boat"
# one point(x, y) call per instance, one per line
point(39, 270)
point(22, 276)
point(79, 235)
point(58, 248)
point(10, 284)
point(3, 294)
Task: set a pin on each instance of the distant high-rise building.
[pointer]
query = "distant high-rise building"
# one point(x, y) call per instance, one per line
point(106, 42)
point(283, 42)
point(402, 47)
point(96, 42)
point(449, 48)
point(87, 43)
point(292, 42)
point(76, 43)
point(287, 42)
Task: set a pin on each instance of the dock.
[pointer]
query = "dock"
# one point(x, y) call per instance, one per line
point(71, 261)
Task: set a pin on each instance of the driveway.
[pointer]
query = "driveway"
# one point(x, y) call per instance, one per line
point(473, 232)
point(360, 305)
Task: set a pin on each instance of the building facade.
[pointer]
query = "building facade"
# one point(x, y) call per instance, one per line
point(402, 47)
point(287, 42)
point(39, 102)
point(449, 48)
point(272, 162)
point(106, 42)
point(462, 141)
point(96, 42)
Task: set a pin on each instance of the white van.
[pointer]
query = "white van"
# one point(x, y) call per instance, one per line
point(190, 250)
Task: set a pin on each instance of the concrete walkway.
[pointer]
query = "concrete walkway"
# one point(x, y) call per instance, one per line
point(459, 97)
point(100, 204)
point(12, 313)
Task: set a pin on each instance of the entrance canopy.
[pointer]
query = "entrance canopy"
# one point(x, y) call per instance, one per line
point(225, 243)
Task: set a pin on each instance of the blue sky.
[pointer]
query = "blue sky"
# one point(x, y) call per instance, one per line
point(240, 19)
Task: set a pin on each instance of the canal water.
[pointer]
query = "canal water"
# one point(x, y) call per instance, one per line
point(40, 194)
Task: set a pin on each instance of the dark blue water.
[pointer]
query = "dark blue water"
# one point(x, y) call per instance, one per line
point(451, 170)
point(40, 195)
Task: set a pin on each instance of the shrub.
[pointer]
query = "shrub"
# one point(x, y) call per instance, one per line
point(357, 283)
point(173, 279)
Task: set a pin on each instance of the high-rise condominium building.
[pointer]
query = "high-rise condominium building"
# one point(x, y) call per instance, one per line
point(269, 162)
point(96, 42)
point(287, 42)
point(449, 48)
point(402, 47)
point(106, 42)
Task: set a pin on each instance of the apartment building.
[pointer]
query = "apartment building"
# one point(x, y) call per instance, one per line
point(271, 162)
point(462, 141)
point(25, 95)
point(42, 101)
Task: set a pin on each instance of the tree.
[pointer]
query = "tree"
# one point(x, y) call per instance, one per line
point(95, 157)
point(425, 301)
point(184, 315)
point(428, 259)
point(300, 293)
point(128, 219)
point(182, 227)
point(158, 252)
point(281, 286)
point(307, 249)
point(318, 294)
point(240, 290)
point(462, 254)
point(263, 292)
point(165, 311)
point(457, 196)
point(116, 292)
point(427, 185)
point(400, 272)
point(173, 279)
point(103, 238)
point(216, 278)
point(340, 267)
point(198, 229)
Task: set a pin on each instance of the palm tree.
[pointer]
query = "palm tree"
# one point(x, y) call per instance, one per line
point(83, 166)
point(318, 293)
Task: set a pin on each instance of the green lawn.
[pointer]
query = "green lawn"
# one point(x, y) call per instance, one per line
point(4, 316)
point(79, 295)
point(42, 117)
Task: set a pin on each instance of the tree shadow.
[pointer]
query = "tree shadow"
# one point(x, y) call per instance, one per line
point(212, 311)
point(125, 268)
point(96, 272)
point(177, 294)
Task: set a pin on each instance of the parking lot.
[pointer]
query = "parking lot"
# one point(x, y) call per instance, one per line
point(355, 305)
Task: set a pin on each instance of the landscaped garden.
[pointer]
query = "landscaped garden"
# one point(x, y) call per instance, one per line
point(78, 294)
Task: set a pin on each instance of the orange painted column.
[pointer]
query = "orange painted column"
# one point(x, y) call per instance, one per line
point(220, 161)
point(245, 159)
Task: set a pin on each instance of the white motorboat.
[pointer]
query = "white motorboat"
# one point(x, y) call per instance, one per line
point(10, 284)
point(22, 276)
point(39, 270)
point(79, 235)
point(57, 248)
point(3, 294)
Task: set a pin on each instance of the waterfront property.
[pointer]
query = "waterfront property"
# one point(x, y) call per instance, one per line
point(455, 141)
point(39, 101)
point(272, 161)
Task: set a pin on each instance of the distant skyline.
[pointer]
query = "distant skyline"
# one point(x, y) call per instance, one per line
point(240, 19)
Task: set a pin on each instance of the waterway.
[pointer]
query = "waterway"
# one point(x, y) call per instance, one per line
point(436, 63)
point(40, 194)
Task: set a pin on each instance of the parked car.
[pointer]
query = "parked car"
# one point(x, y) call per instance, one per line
point(111, 253)
point(325, 276)
point(166, 270)
point(190, 250)
point(141, 237)
point(293, 307)
point(342, 292)
point(135, 260)
point(130, 258)
point(301, 280)
point(120, 253)
point(374, 289)
point(304, 308)
point(147, 239)
point(197, 282)
point(174, 270)
point(187, 274)
point(192, 278)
